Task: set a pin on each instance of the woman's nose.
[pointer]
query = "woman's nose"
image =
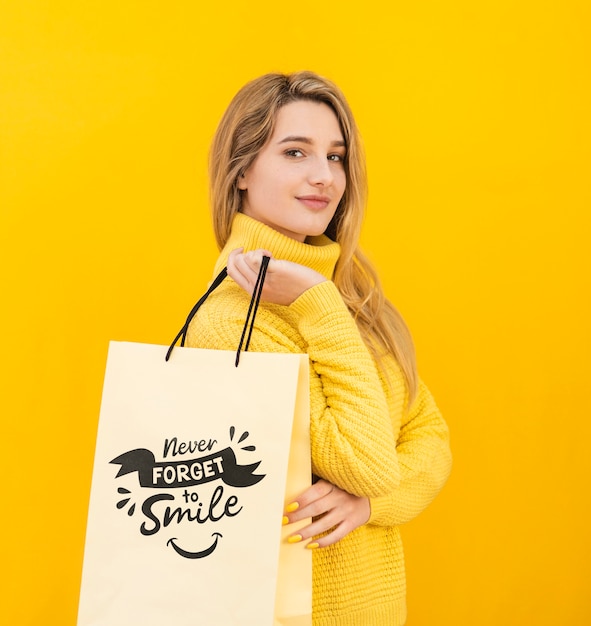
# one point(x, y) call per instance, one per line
point(320, 173)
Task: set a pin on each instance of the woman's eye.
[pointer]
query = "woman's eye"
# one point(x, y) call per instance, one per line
point(336, 157)
point(294, 152)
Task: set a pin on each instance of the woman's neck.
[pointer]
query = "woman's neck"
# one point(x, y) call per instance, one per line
point(319, 253)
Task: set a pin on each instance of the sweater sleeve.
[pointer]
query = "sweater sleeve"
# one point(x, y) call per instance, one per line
point(352, 433)
point(424, 458)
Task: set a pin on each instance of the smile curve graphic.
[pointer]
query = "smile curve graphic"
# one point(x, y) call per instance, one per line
point(195, 555)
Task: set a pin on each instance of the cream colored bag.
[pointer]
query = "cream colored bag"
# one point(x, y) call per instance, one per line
point(195, 460)
point(189, 487)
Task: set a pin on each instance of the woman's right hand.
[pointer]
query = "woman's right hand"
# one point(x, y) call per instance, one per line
point(334, 512)
point(285, 281)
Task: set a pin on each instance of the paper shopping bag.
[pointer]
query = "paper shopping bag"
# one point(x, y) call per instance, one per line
point(189, 484)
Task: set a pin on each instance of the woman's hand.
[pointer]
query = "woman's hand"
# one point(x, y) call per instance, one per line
point(284, 282)
point(333, 510)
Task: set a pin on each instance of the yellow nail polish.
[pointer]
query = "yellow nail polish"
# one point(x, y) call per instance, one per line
point(294, 506)
point(312, 546)
point(285, 520)
point(294, 539)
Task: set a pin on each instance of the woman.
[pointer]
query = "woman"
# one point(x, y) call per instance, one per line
point(288, 181)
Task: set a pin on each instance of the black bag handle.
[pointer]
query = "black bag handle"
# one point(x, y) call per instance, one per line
point(250, 316)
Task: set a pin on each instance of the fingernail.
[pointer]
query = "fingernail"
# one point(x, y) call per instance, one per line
point(285, 521)
point(312, 546)
point(294, 539)
point(294, 506)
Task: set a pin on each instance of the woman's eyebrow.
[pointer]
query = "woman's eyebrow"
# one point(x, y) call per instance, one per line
point(301, 139)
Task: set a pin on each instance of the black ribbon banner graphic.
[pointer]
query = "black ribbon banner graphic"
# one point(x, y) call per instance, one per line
point(187, 473)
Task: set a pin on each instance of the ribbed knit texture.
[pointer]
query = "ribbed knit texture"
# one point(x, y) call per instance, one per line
point(363, 439)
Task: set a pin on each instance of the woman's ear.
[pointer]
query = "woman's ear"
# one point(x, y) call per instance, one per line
point(242, 181)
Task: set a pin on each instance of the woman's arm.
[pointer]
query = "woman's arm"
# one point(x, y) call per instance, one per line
point(425, 461)
point(357, 445)
point(352, 432)
point(424, 458)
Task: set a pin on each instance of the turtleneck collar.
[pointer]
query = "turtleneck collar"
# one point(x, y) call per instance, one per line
point(319, 253)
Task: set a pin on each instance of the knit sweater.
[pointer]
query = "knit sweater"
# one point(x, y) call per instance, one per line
point(363, 438)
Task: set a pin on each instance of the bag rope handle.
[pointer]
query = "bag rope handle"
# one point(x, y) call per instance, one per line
point(250, 316)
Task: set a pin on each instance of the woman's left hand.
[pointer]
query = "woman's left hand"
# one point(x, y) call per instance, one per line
point(334, 510)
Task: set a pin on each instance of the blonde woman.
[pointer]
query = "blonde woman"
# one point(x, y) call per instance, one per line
point(288, 182)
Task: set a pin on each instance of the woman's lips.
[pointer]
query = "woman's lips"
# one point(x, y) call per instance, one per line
point(314, 202)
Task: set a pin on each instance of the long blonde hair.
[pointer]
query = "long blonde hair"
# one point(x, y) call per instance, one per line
point(245, 128)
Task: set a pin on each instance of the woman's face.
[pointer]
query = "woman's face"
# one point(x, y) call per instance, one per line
point(297, 180)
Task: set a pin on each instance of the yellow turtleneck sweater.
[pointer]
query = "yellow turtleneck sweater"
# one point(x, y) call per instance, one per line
point(363, 438)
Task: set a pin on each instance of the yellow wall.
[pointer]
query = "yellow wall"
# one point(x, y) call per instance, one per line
point(477, 127)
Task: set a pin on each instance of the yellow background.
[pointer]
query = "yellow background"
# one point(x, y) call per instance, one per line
point(476, 119)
